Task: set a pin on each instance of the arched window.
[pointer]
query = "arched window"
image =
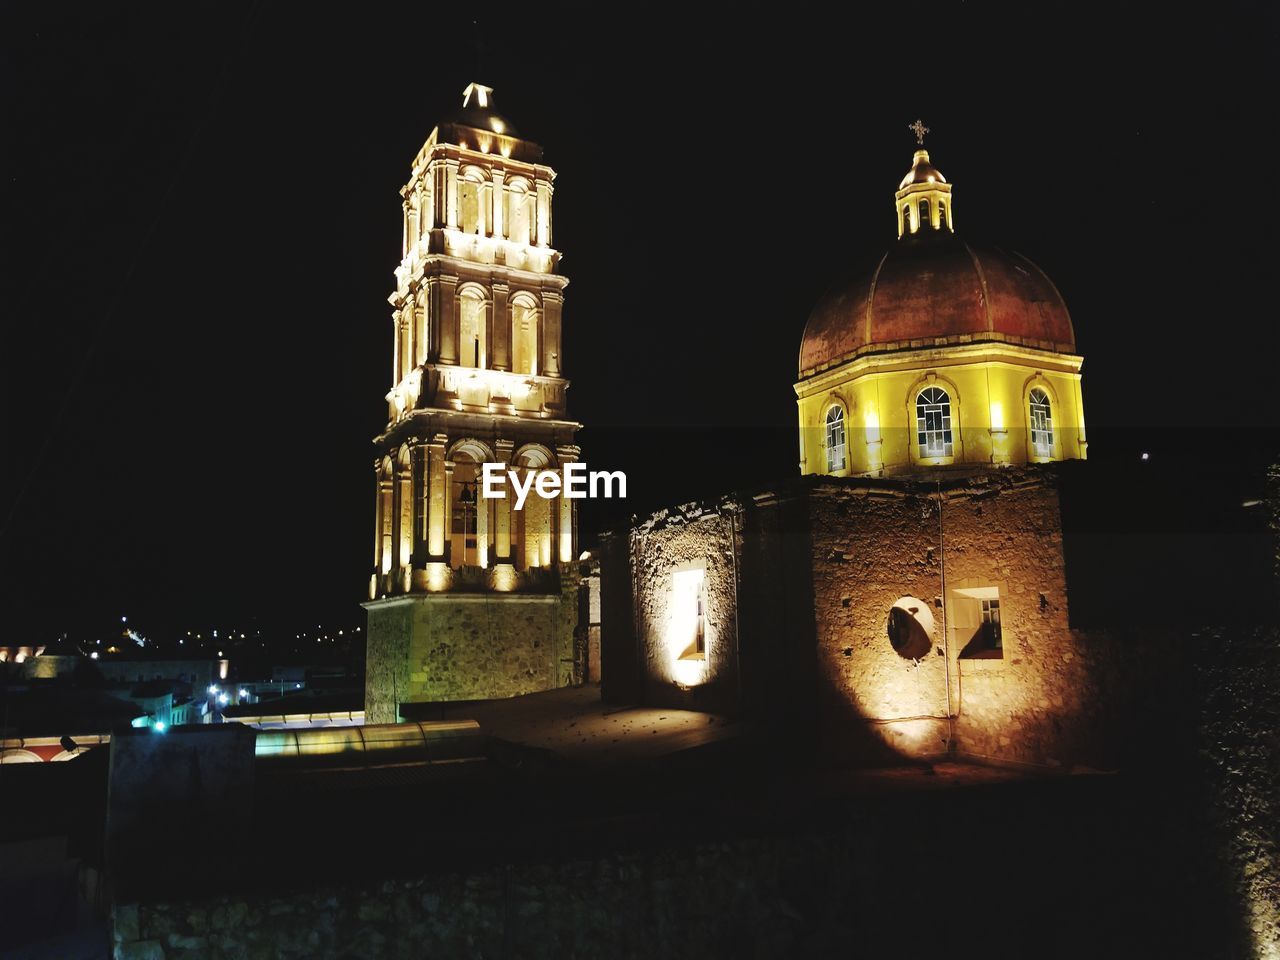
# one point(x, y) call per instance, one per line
point(524, 336)
point(471, 341)
point(519, 210)
point(942, 215)
point(933, 422)
point(471, 214)
point(906, 219)
point(835, 439)
point(924, 214)
point(1041, 424)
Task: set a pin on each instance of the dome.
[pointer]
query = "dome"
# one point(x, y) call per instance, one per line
point(934, 290)
point(478, 111)
point(922, 171)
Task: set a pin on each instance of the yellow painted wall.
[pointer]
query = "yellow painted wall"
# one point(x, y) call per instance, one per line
point(989, 386)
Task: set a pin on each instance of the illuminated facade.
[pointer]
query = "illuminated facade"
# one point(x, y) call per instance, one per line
point(907, 594)
point(947, 353)
point(477, 377)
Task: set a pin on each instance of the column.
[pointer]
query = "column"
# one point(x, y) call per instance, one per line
point(420, 328)
point(544, 213)
point(448, 318)
point(451, 194)
point(482, 526)
point(501, 332)
point(386, 495)
point(436, 492)
point(415, 230)
point(486, 209)
point(552, 303)
point(404, 517)
point(395, 347)
point(566, 508)
point(421, 502)
point(377, 531)
point(499, 197)
point(456, 552)
point(502, 508)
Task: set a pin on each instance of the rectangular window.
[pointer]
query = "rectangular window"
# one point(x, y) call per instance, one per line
point(991, 624)
point(687, 613)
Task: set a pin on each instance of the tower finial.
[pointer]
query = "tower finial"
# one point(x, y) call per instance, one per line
point(919, 129)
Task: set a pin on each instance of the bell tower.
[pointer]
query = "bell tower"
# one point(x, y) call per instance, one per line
point(477, 376)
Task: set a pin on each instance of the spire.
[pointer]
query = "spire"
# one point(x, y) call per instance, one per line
point(923, 199)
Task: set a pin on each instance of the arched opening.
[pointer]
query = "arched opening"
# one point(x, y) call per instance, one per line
point(16, 755)
point(906, 219)
point(524, 335)
point(519, 211)
point(942, 215)
point(1041, 424)
point(835, 437)
point(924, 214)
point(933, 422)
point(471, 219)
point(468, 510)
point(472, 348)
point(532, 526)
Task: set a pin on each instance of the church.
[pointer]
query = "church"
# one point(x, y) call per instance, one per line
point(904, 597)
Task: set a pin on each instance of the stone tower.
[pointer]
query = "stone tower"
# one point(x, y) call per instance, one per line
point(477, 376)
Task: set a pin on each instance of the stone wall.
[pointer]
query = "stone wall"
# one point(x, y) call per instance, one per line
point(998, 533)
point(1237, 677)
point(800, 584)
point(699, 540)
point(443, 646)
point(1083, 866)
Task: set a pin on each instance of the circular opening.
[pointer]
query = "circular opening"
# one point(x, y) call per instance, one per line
point(910, 628)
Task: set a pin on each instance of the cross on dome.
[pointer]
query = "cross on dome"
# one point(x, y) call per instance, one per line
point(919, 129)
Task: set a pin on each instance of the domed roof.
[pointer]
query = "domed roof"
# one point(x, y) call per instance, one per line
point(922, 171)
point(933, 290)
point(478, 111)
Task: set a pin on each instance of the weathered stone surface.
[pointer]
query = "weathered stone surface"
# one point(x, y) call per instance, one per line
point(440, 647)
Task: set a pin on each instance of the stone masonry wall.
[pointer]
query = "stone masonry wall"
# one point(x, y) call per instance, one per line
point(998, 531)
point(680, 538)
point(441, 647)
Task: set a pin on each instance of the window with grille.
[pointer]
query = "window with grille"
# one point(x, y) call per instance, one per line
point(1041, 424)
point(933, 422)
point(835, 439)
point(991, 624)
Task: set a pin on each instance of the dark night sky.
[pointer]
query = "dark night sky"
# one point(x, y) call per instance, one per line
point(201, 223)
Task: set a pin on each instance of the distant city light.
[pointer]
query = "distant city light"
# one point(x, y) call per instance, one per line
point(223, 699)
point(94, 655)
point(124, 619)
point(297, 686)
point(213, 688)
point(159, 726)
point(243, 692)
point(1145, 455)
